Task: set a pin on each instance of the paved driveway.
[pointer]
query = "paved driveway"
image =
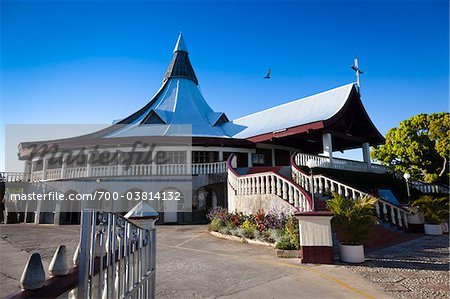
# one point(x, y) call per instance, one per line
point(191, 263)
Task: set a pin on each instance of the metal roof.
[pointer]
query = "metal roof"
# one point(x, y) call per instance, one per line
point(178, 109)
point(180, 45)
point(318, 107)
point(180, 66)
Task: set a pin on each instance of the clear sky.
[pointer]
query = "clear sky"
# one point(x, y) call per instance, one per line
point(81, 62)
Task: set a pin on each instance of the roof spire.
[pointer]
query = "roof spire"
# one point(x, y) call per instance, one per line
point(180, 66)
point(180, 45)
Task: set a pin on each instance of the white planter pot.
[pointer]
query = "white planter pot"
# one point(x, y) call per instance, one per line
point(433, 229)
point(417, 218)
point(351, 253)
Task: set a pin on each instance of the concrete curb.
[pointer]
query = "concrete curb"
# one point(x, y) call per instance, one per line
point(241, 239)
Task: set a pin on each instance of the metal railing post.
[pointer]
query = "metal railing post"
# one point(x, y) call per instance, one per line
point(85, 245)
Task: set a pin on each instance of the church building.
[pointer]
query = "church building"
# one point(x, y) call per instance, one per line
point(244, 164)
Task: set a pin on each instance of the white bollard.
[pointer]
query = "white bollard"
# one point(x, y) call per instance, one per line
point(33, 276)
point(59, 264)
point(76, 256)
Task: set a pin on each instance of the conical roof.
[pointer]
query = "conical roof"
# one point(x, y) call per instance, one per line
point(178, 102)
point(180, 66)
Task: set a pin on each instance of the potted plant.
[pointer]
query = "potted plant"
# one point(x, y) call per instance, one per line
point(353, 218)
point(435, 211)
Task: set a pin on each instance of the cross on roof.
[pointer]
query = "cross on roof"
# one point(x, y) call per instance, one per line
point(358, 71)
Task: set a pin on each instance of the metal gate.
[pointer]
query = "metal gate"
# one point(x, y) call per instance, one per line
point(117, 257)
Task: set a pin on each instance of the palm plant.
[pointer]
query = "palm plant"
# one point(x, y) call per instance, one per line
point(353, 217)
point(435, 210)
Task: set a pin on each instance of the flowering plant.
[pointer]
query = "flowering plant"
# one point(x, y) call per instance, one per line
point(218, 213)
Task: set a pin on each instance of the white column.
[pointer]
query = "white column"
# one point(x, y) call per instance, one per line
point(44, 169)
point(57, 213)
point(189, 160)
point(220, 156)
point(119, 163)
point(250, 161)
point(327, 146)
point(63, 166)
point(88, 165)
point(366, 155)
point(28, 166)
point(273, 157)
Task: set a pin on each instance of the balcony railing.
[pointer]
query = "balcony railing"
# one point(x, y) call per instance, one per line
point(116, 170)
point(337, 163)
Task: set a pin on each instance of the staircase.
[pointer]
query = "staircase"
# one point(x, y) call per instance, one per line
point(294, 186)
point(320, 184)
point(383, 235)
point(265, 188)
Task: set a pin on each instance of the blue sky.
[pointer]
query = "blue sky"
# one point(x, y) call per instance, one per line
point(84, 62)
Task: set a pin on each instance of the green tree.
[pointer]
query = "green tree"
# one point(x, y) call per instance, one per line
point(419, 146)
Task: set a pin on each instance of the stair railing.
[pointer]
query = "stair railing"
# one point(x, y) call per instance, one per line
point(384, 209)
point(267, 183)
point(425, 187)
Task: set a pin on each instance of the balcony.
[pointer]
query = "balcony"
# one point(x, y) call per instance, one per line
point(116, 171)
point(337, 163)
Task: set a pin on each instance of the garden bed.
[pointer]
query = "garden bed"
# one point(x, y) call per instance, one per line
point(268, 229)
point(242, 239)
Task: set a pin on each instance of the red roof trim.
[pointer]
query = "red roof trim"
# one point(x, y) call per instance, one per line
point(288, 132)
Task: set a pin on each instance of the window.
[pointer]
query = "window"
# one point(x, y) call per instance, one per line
point(204, 157)
point(171, 157)
point(38, 165)
point(76, 160)
point(54, 162)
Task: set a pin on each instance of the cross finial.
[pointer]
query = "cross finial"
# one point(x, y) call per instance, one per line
point(358, 71)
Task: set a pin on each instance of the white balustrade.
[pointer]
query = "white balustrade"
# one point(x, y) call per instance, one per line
point(115, 170)
point(209, 168)
point(11, 177)
point(396, 214)
point(53, 174)
point(76, 172)
point(338, 163)
point(269, 183)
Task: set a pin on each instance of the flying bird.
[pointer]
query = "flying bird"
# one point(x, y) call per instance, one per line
point(268, 75)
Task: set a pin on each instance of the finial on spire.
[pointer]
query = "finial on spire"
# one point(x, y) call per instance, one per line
point(181, 45)
point(358, 71)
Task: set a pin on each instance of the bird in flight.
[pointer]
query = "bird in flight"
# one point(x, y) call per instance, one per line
point(268, 75)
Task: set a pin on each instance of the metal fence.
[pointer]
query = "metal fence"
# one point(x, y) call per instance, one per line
point(117, 257)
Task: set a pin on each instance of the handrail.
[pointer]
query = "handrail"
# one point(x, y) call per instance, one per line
point(115, 170)
point(339, 163)
point(321, 183)
point(425, 187)
point(268, 182)
point(345, 164)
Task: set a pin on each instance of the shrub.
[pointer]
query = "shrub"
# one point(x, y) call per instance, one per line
point(249, 229)
point(263, 226)
point(239, 232)
point(224, 230)
point(216, 224)
point(275, 235)
point(435, 210)
point(218, 213)
point(292, 231)
point(236, 219)
point(353, 217)
point(285, 243)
